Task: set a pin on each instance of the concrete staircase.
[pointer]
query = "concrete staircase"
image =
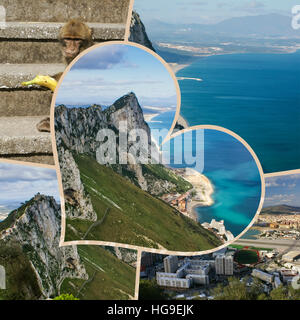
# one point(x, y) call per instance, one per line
point(29, 46)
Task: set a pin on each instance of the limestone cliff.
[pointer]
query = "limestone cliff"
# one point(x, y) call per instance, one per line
point(139, 35)
point(138, 32)
point(37, 230)
point(78, 202)
point(76, 132)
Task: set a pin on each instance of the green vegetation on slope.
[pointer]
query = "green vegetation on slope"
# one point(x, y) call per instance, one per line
point(150, 290)
point(109, 277)
point(237, 290)
point(65, 296)
point(135, 217)
point(159, 171)
point(14, 215)
point(21, 282)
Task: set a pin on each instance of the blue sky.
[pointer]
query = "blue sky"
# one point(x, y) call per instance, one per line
point(108, 72)
point(283, 190)
point(208, 11)
point(19, 183)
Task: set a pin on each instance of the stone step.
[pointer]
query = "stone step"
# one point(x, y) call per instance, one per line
point(16, 100)
point(106, 11)
point(33, 158)
point(28, 102)
point(19, 137)
point(36, 42)
point(12, 75)
point(49, 31)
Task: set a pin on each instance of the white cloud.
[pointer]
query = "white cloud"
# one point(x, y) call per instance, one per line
point(280, 198)
point(19, 183)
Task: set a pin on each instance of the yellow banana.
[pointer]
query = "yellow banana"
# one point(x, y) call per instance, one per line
point(44, 81)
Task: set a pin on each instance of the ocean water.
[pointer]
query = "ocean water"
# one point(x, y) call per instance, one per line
point(256, 96)
point(250, 234)
point(163, 121)
point(236, 180)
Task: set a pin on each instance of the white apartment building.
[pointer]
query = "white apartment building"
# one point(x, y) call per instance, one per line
point(171, 264)
point(224, 264)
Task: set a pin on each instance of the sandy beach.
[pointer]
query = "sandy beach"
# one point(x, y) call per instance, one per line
point(203, 190)
point(176, 66)
point(187, 78)
point(150, 116)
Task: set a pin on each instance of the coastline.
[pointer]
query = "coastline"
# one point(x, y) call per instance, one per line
point(177, 67)
point(149, 117)
point(181, 122)
point(203, 189)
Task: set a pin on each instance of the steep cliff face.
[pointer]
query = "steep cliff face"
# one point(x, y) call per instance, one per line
point(138, 32)
point(37, 231)
point(77, 128)
point(76, 132)
point(37, 268)
point(128, 109)
point(78, 202)
point(139, 35)
point(128, 256)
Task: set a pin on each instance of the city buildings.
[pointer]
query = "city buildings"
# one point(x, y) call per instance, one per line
point(291, 256)
point(192, 271)
point(220, 228)
point(170, 264)
point(264, 276)
point(224, 264)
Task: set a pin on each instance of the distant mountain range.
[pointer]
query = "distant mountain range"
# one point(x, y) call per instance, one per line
point(281, 209)
point(270, 25)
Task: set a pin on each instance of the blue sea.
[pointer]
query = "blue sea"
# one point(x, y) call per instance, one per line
point(250, 234)
point(163, 121)
point(256, 96)
point(236, 180)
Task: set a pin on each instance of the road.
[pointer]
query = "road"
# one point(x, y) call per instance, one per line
point(279, 244)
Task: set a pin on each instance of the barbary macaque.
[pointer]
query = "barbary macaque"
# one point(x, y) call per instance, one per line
point(74, 37)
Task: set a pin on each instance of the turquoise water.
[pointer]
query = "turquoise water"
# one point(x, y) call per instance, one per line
point(255, 95)
point(236, 180)
point(235, 176)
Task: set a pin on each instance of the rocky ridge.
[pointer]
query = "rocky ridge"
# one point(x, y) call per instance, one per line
point(37, 231)
point(138, 32)
point(76, 131)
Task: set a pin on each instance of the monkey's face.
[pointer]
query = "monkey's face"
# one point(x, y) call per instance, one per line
point(71, 47)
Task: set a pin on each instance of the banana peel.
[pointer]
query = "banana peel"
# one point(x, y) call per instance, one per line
point(44, 81)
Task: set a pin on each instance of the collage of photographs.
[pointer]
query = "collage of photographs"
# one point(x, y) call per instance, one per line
point(150, 150)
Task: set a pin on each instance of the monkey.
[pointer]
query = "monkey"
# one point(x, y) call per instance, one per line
point(74, 37)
